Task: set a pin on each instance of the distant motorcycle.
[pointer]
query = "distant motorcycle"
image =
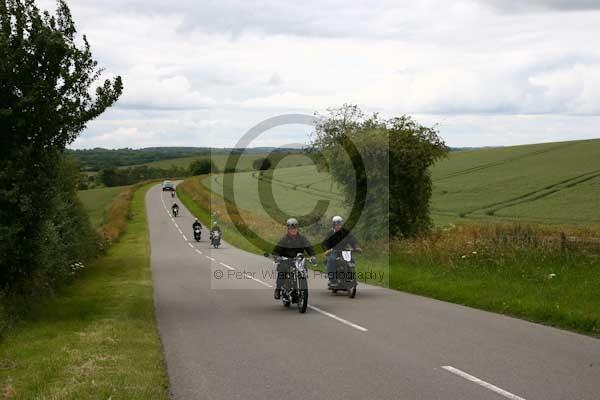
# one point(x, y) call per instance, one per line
point(344, 273)
point(172, 194)
point(175, 211)
point(295, 286)
point(197, 233)
point(215, 239)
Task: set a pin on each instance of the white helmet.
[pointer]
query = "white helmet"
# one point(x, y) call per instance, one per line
point(292, 222)
point(337, 220)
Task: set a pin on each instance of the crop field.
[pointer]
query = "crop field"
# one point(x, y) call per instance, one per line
point(295, 190)
point(547, 183)
point(244, 164)
point(556, 183)
point(95, 202)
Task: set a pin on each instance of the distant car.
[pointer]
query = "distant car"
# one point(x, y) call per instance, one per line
point(168, 185)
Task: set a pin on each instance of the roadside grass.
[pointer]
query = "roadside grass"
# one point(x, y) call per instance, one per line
point(96, 201)
point(531, 272)
point(96, 339)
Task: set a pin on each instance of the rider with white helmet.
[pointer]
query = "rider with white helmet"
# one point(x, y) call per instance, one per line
point(338, 238)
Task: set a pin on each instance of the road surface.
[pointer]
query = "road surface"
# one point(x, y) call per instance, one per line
point(228, 339)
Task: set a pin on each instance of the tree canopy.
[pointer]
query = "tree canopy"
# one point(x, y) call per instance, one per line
point(382, 166)
point(49, 90)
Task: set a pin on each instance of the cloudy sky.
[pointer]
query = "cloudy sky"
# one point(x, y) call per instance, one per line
point(488, 72)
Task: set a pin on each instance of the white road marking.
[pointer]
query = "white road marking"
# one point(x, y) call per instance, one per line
point(485, 384)
point(342, 320)
point(180, 231)
point(191, 245)
point(210, 258)
point(176, 225)
point(198, 251)
point(257, 280)
point(227, 266)
point(184, 237)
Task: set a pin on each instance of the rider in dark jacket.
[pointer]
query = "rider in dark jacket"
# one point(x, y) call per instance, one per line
point(174, 207)
point(289, 246)
point(196, 224)
point(338, 238)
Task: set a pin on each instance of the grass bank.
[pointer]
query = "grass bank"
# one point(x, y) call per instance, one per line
point(96, 201)
point(96, 339)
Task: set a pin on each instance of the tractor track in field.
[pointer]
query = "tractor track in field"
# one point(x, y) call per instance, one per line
point(501, 162)
point(491, 209)
point(303, 188)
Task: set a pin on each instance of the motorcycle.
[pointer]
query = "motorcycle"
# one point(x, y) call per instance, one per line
point(175, 211)
point(295, 286)
point(172, 194)
point(215, 239)
point(344, 273)
point(197, 233)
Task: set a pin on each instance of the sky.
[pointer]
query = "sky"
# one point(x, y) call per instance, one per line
point(484, 72)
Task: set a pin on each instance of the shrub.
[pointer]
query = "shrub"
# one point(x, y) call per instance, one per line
point(203, 166)
point(262, 164)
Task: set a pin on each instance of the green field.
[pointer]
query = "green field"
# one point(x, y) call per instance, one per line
point(245, 162)
point(548, 183)
point(555, 183)
point(295, 190)
point(95, 202)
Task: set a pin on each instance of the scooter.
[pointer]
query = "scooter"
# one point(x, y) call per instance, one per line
point(344, 273)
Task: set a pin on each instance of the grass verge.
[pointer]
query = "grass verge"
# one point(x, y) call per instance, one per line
point(98, 338)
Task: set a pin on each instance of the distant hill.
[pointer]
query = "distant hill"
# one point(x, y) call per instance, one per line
point(99, 158)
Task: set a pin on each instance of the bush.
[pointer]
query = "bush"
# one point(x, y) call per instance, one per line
point(261, 164)
point(203, 166)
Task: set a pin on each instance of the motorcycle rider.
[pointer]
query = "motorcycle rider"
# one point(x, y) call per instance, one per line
point(172, 194)
point(338, 238)
point(196, 224)
point(174, 208)
point(215, 228)
point(289, 246)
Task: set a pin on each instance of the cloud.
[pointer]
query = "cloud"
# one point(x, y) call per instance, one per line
point(205, 72)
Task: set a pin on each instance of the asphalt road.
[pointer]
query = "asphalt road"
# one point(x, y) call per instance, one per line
point(228, 338)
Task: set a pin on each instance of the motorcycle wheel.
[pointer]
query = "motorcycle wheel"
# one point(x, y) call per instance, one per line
point(303, 296)
point(352, 292)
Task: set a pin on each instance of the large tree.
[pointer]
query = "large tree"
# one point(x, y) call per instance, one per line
point(382, 166)
point(49, 90)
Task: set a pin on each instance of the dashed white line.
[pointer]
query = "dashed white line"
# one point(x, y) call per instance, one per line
point(176, 225)
point(198, 251)
point(480, 382)
point(191, 245)
point(342, 320)
point(210, 258)
point(184, 237)
point(248, 275)
point(227, 266)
